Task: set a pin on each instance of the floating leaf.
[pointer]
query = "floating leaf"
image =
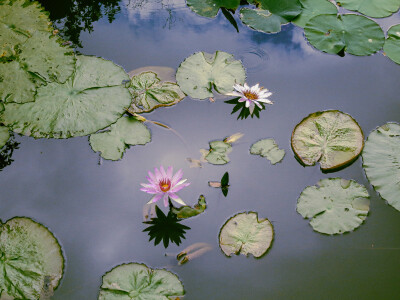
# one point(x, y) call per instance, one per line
point(334, 206)
point(372, 8)
point(312, 8)
point(381, 162)
point(351, 33)
point(200, 72)
point(210, 8)
point(138, 282)
point(392, 44)
point(127, 131)
point(244, 233)
point(150, 93)
point(4, 136)
point(233, 138)
point(215, 184)
point(223, 184)
point(286, 9)
point(31, 260)
point(332, 138)
point(269, 149)
point(90, 100)
point(218, 153)
point(262, 20)
point(7, 151)
point(185, 212)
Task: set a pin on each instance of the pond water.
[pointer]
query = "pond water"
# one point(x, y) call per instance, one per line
point(95, 209)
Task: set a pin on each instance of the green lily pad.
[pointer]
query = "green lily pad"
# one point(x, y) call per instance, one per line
point(127, 131)
point(90, 100)
point(332, 138)
point(312, 8)
point(269, 149)
point(262, 20)
point(185, 212)
point(218, 153)
point(381, 157)
point(246, 234)
point(372, 8)
point(135, 281)
point(286, 9)
point(150, 93)
point(334, 206)
point(351, 33)
point(210, 8)
point(392, 44)
point(31, 264)
point(4, 136)
point(200, 72)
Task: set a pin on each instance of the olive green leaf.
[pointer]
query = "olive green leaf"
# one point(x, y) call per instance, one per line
point(31, 264)
point(262, 20)
point(351, 33)
point(269, 149)
point(210, 8)
point(201, 72)
point(392, 44)
point(244, 233)
point(150, 93)
point(90, 100)
point(286, 9)
point(135, 281)
point(185, 212)
point(218, 153)
point(127, 131)
point(334, 206)
point(381, 162)
point(312, 8)
point(332, 138)
point(4, 136)
point(371, 8)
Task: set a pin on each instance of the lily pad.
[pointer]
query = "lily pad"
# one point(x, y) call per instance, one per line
point(200, 72)
point(262, 20)
point(150, 93)
point(185, 212)
point(286, 9)
point(138, 282)
point(218, 153)
point(31, 260)
point(351, 33)
point(4, 136)
point(90, 100)
point(392, 44)
point(312, 8)
point(127, 131)
point(246, 234)
point(381, 161)
point(269, 149)
point(332, 138)
point(372, 8)
point(334, 206)
point(210, 8)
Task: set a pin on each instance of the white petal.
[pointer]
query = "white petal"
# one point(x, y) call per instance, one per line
point(265, 94)
point(248, 103)
point(251, 108)
point(246, 87)
point(258, 104)
point(265, 101)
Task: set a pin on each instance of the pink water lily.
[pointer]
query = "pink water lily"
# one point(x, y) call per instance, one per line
point(164, 184)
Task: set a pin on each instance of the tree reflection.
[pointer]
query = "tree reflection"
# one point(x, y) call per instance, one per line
point(7, 151)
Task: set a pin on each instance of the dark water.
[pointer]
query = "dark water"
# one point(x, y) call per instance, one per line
point(96, 210)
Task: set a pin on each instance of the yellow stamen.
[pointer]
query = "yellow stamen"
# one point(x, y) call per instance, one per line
point(251, 96)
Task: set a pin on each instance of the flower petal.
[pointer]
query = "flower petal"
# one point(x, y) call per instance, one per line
point(170, 172)
point(251, 108)
point(151, 175)
point(148, 191)
point(258, 104)
point(179, 186)
point(266, 101)
point(165, 199)
point(248, 103)
point(158, 175)
point(155, 198)
point(176, 198)
point(177, 177)
point(163, 173)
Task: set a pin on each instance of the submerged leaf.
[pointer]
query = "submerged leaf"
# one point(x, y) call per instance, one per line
point(193, 251)
point(381, 162)
point(201, 72)
point(185, 212)
point(269, 149)
point(244, 233)
point(127, 131)
point(372, 8)
point(312, 8)
point(334, 206)
point(392, 44)
point(31, 260)
point(210, 8)
point(4, 136)
point(138, 282)
point(218, 153)
point(262, 20)
point(332, 138)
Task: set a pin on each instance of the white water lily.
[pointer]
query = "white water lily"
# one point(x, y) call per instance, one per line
point(251, 95)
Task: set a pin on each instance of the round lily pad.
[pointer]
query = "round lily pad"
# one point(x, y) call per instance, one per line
point(210, 8)
point(312, 8)
point(4, 136)
point(269, 149)
point(287, 9)
point(381, 162)
point(244, 233)
point(335, 205)
point(392, 44)
point(262, 20)
point(201, 72)
point(351, 33)
point(332, 138)
point(372, 8)
point(91, 99)
point(31, 260)
point(135, 281)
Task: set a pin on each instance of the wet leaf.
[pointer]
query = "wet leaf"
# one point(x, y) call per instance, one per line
point(372, 8)
point(351, 33)
point(269, 149)
point(334, 206)
point(127, 131)
point(286, 9)
point(185, 212)
point(262, 20)
point(31, 260)
point(225, 180)
point(218, 153)
point(381, 159)
point(138, 282)
point(332, 138)
point(4, 136)
point(312, 8)
point(201, 72)
point(90, 100)
point(245, 234)
point(392, 44)
point(210, 8)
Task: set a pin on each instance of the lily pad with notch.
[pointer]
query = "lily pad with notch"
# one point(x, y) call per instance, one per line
point(392, 44)
point(218, 153)
point(262, 20)
point(269, 149)
point(371, 8)
point(312, 8)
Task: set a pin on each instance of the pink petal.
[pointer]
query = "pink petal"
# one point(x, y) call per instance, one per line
point(178, 187)
point(176, 198)
point(149, 180)
point(158, 175)
point(165, 198)
point(155, 198)
point(242, 99)
point(164, 175)
point(170, 172)
point(148, 191)
point(151, 175)
point(176, 177)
